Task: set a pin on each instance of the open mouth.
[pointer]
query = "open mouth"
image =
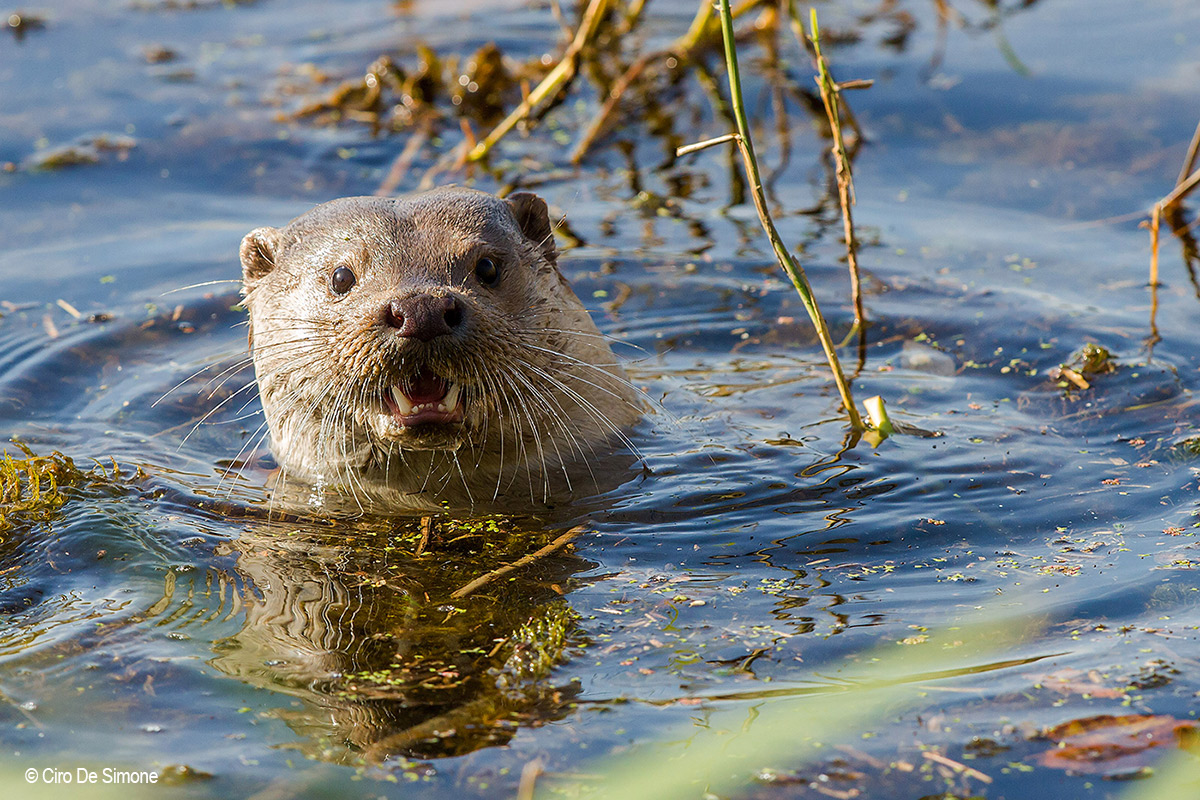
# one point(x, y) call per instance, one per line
point(423, 399)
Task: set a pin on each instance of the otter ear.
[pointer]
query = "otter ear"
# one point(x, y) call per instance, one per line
point(534, 220)
point(258, 254)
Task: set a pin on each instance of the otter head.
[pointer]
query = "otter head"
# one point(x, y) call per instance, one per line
point(383, 326)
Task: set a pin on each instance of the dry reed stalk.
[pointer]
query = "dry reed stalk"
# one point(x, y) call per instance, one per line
point(550, 86)
point(529, 775)
point(831, 98)
point(1155, 220)
point(426, 533)
point(1182, 189)
point(683, 49)
point(1188, 180)
point(1190, 161)
point(403, 161)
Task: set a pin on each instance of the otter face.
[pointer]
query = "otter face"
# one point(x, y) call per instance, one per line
point(440, 322)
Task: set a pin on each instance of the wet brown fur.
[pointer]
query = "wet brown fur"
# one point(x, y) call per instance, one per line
point(543, 395)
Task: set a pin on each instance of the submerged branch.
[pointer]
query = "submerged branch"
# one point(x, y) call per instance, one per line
point(523, 561)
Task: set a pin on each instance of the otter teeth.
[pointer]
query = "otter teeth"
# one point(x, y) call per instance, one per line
point(403, 404)
point(406, 407)
point(450, 401)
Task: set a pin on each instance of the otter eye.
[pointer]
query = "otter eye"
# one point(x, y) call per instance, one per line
point(487, 271)
point(342, 280)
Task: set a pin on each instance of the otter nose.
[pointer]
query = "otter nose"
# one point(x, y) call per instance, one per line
point(424, 316)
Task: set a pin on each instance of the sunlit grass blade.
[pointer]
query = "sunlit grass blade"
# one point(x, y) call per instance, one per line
point(1177, 776)
point(739, 739)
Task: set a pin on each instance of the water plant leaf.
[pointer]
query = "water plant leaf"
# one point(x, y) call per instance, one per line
point(880, 421)
point(1115, 745)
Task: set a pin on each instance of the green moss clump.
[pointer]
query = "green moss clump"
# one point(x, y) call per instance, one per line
point(537, 648)
point(31, 487)
point(35, 488)
point(1094, 359)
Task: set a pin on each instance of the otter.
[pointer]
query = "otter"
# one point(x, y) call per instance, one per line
point(426, 352)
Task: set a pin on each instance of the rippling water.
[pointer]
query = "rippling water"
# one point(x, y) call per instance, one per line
point(169, 621)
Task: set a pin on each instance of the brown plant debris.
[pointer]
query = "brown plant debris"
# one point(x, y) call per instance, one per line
point(1114, 745)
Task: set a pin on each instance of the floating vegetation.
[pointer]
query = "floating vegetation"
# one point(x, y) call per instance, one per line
point(85, 151)
point(536, 648)
point(1187, 448)
point(602, 52)
point(490, 94)
point(412, 675)
point(1094, 359)
point(391, 97)
point(158, 54)
point(182, 774)
point(34, 489)
point(1115, 746)
point(1091, 360)
point(67, 156)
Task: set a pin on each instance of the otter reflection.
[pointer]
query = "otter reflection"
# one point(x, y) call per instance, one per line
point(351, 623)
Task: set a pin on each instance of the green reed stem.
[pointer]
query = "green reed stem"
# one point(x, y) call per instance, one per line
point(790, 265)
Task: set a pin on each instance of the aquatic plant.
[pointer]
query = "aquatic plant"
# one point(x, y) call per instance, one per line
point(831, 98)
point(1185, 184)
point(35, 488)
point(1171, 208)
point(1092, 359)
point(790, 265)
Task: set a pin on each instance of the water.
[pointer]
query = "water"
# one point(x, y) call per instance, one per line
point(170, 623)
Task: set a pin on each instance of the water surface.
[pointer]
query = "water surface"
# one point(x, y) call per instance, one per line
point(1008, 155)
